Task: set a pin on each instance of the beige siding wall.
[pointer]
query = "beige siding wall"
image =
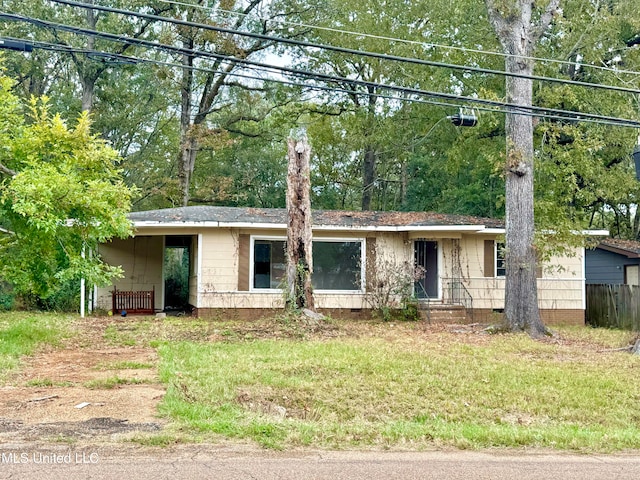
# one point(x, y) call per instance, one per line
point(271, 300)
point(472, 255)
point(240, 300)
point(141, 259)
point(561, 286)
point(393, 250)
point(219, 261)
point(562, 283)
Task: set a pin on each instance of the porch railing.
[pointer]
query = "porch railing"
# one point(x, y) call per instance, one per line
point(424, 301)
point(457, 294)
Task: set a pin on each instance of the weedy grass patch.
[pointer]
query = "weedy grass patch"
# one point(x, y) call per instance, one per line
point(113, 382)
point(410, 388)
point(146, 331)
point(124, 365)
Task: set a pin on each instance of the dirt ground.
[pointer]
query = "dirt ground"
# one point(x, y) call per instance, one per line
point(84, 390)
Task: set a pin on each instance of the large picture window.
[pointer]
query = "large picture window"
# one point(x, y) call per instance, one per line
point(337, 264)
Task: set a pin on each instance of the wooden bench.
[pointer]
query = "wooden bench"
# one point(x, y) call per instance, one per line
point(141, 302)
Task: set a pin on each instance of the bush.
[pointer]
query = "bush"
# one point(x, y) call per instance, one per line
point(65, 299)
point(7, 297)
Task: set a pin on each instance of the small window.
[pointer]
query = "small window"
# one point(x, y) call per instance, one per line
point(501, 269)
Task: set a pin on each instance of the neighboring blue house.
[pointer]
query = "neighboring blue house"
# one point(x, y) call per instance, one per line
point(613, 262)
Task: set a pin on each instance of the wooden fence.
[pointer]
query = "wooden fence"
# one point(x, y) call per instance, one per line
point(133, 301)
point(613, 306)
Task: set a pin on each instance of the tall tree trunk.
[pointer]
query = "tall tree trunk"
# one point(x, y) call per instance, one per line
point(512, 22)
point(369, 164)
point(88, 91)
point(188, 144)
point(368, 176)
point(88, 74)
point(521, 294)
point(299, 233)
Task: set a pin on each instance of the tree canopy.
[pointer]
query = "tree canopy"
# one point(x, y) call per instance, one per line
point(196, 124)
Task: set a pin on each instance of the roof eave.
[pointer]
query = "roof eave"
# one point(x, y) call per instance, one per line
point(281, 226)
point(619, 251)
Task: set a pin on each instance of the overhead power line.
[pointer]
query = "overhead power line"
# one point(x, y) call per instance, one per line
point(514, 108)
point(350, 51)
point(456, 102)
point(412, 42)
point(128, 59)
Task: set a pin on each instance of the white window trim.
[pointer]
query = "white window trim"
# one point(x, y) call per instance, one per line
point(363, 261)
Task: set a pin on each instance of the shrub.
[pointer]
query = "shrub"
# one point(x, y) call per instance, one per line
point(7, 296)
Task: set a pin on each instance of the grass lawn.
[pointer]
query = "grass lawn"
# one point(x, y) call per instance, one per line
point(403, 386)
point(21, 333)
point(365, 384)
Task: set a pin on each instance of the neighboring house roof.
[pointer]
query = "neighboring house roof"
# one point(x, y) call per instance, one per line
point(327, 219)
point(628, 248)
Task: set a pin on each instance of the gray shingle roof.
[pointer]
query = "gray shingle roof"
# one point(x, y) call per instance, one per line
point(277, 216)
point(630, 248)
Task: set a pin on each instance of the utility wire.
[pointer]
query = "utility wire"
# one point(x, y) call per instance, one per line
point(411, 42)
point(350, 51)
point(126, 59)
point(514, 108)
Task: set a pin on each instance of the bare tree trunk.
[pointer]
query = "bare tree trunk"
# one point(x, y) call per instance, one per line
point(521, 295)
point(369, 165)
point(299, 234)
point(512, 22)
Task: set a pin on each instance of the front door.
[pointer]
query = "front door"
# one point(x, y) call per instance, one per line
point(426, 262)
